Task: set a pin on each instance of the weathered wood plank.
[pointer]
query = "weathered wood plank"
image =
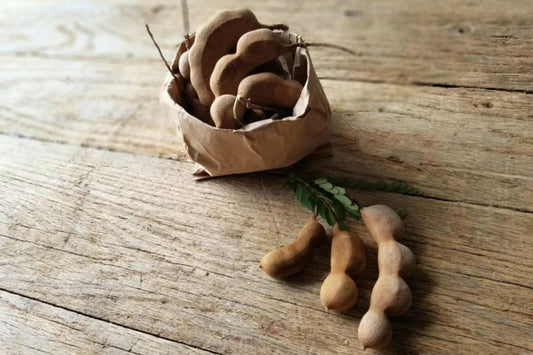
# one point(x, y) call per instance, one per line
point(477, 44)
point(455, 144)
point(114, 236)
point(32, 327)
point(480, 44)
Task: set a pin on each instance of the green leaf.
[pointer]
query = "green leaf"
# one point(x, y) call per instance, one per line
point(299, 192)
point(353, 207)
point(325, 213)
point(321, 180)
point(344, 200)
point(330, 217)
point(335, 190)
point(326, 186)
point(343, 226)
point(364, 185)
point(354, 214)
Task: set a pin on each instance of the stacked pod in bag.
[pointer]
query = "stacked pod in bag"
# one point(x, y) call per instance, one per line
point(245, 96)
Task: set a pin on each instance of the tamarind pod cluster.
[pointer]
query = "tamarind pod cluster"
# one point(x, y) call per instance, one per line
point(348, 260)
point(391, 296)
point(216, 38)
point(291, 259)
point(263, 89)
point(254, 48)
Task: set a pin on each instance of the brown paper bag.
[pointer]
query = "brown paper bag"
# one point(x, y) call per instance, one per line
point(261, 145)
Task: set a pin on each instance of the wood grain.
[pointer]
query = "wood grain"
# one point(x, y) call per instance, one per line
point(106, 248)
point(32, 327)
point(456, 144)
point(473, 44)
point(89, 231)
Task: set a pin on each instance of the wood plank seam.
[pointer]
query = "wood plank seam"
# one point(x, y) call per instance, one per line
point(112, 150)
point(104, 320)
point(111, 60)
point(424, 84)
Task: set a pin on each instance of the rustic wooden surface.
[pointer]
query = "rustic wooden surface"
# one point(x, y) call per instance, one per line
point(107, 246)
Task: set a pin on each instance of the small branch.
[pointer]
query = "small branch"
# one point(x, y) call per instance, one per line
point(185, 23)
point(161, 54)
point(315, 213)
point(185, 17)
point(331, 45)
point(320, 196)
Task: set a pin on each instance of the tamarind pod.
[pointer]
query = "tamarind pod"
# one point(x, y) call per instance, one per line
point(268, 89)
point(183, 65)
point(214, 39)
point(176, 90)
point(291, 259)
point(222, 112)
point(253, 49)
point(391, 296)
point(383, 223)
point(274, 66)
point(200, 111)
point(348, 259)
point(375, 330)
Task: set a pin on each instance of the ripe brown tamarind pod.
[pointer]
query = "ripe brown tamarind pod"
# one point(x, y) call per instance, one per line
point(253, 49)
point(222, 112)
point(183, 65)
point(348, 260)
point(216, 38)
point(268, 89)
point(291, 259)
point(274, 66)
point(390, 296)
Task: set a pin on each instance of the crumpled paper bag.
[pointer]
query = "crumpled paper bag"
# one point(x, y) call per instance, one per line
point(261, 145)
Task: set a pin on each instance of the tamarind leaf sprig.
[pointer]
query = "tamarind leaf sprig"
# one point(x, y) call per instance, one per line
point(364, 185)
point(327, 200)
point(327, 197)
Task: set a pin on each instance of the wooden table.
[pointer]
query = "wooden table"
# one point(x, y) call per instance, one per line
point(107, 245)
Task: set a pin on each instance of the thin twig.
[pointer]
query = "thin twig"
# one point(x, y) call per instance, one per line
point(161, 54)
point(185, 17)
point(185, 22)
point(315, 213)
point(331, 45)
point(320, 195)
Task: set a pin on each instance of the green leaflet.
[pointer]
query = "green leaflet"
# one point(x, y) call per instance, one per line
point(364, 185)
point(325, 195)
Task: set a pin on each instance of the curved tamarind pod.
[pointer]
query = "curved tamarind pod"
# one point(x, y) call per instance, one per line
point(183, 65)
point(274, 66)
point(216, 38)
point(375, 330)
point(253, 49)
point(348, 259)
point(189, 90)
point(291, 259)
point(190, 102)
point(268, 89)
point(390, 296)
point(200, 111)
point(223, 114)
